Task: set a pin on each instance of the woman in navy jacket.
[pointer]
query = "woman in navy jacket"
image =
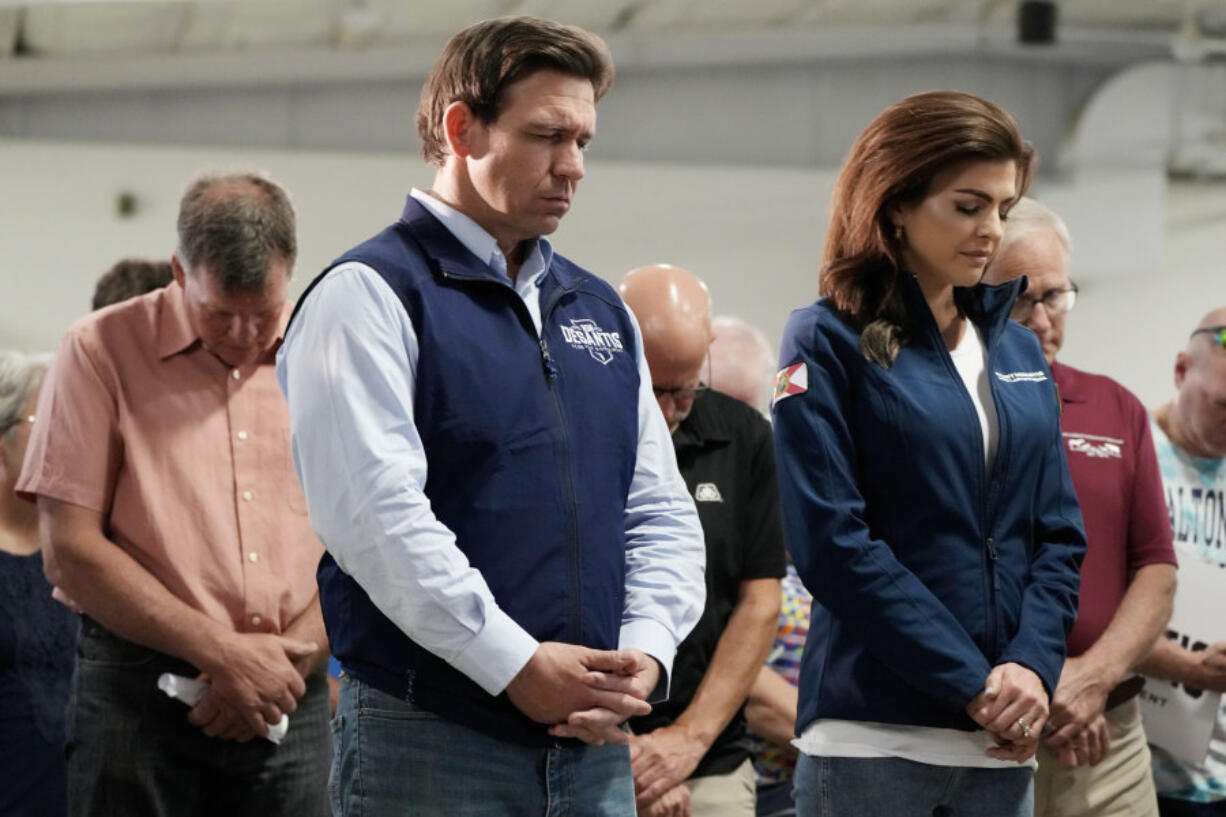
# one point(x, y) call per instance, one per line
point(927, 503)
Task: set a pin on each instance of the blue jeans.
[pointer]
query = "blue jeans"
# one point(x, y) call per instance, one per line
point(131, 750)
point(393, 758)
point(893, 787)
point(775, 799)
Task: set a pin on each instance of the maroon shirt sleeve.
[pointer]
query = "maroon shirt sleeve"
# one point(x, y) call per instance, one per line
point(1149, 524)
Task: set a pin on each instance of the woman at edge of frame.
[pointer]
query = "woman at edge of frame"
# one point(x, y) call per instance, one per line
point(926, 499)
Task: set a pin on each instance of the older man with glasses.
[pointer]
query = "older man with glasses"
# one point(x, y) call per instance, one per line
point(690, 755)
point(1094, 759)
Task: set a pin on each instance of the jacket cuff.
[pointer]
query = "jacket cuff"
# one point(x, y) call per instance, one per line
point(1048, 675)
point(655, 640)
point(496, 654)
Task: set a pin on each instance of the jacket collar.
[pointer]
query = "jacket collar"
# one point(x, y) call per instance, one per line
point(456, 260)
point(1069, 382)
point(987, 305)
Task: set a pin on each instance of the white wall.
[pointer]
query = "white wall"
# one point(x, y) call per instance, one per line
point(753, 234)
point(1147, 256)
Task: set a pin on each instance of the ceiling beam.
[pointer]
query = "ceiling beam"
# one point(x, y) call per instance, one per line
point(315, 66)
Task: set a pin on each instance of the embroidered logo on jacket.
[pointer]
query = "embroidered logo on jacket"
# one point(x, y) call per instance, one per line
point(1092, 445)
point(583, 333)
point(1021, 377)
point(792, 380)
point(707, 492)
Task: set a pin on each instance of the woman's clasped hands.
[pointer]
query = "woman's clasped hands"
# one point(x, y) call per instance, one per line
point(1013, 707)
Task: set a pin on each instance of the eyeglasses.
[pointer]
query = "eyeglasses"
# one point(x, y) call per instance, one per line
point(682, 394)
point(1217, 334)
point(1055, 301)
point(686, 392)
point(16, 422)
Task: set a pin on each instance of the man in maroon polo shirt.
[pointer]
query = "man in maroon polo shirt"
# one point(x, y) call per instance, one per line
point(1094, 759)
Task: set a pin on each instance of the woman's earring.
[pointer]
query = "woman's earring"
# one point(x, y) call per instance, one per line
point(898, 232)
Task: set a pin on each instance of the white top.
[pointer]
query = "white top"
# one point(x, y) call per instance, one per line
point(351, 383)
point(923, 744)
point(827, 737)
point(971, 360)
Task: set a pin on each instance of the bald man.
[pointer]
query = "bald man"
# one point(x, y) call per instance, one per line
point(1095, 763)
point(690, 755)
point(742, 362)
point(1190, 435)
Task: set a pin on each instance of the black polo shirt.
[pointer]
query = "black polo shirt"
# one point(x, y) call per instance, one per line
point(726, 456)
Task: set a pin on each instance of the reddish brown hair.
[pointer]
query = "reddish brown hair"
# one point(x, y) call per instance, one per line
point(482, 61)
point(892, 163)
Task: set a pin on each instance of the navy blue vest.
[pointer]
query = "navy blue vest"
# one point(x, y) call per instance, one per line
point(530, 444)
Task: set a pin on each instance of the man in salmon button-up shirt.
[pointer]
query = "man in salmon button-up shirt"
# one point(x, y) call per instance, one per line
point(170, 513)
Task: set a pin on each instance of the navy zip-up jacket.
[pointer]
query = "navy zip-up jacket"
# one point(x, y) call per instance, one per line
point(926, 568)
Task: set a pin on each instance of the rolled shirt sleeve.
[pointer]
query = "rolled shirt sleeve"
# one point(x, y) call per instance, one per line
point(1150, 538)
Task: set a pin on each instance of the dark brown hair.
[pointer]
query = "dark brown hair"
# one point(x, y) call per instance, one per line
point(130, 277)
point(237, 225)
point(892, 163)
point(482, 61)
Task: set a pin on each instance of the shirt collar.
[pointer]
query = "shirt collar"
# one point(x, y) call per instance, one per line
point(174, 328)
point(700, 428)
point(1068, 383)
point(483, 245)
point(175, 333)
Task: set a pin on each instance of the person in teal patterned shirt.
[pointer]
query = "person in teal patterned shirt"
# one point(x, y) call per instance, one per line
point(1190, 436)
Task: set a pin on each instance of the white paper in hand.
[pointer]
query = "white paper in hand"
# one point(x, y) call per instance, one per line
point(191, 691)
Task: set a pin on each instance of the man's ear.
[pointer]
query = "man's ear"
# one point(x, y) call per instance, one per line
point(1182, 363)
point(176, 268)
point(462, 130)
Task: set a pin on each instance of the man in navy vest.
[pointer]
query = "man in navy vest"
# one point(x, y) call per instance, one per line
point(512, 556)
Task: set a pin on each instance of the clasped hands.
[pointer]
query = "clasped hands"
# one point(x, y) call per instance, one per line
point(253, 679)
point(1077, 729)
point(584, 693)
point(1013, 707)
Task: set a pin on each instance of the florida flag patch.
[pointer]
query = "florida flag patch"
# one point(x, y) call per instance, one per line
point(792, 380)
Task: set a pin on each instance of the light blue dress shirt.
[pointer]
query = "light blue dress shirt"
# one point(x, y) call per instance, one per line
point(350, 385)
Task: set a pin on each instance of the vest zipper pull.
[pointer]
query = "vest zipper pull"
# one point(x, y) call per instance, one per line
point(551, 371)
point(994, 555)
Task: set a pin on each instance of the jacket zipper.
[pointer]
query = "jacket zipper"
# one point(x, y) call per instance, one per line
point(572, 516)
point(550, 369)
point(1002, 454)
point(987, 479)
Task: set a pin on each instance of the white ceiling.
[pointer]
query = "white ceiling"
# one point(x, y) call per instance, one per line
point(53, 28)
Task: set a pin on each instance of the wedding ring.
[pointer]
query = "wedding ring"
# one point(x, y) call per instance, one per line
point(1026, 730)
